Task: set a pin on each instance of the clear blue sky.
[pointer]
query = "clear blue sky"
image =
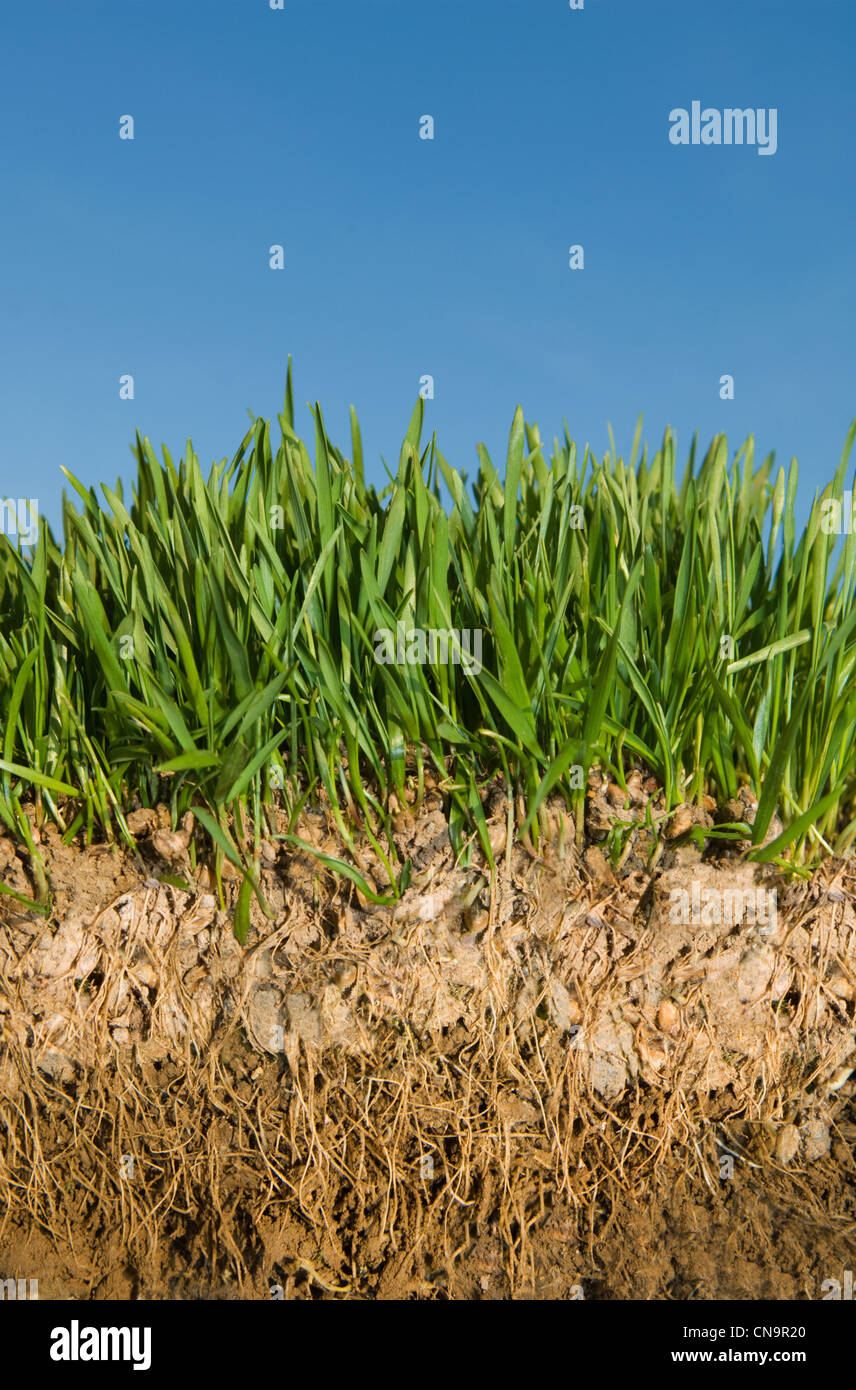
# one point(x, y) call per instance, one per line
point(405, 256)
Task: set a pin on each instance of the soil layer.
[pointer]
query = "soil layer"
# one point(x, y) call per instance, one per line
point(583, 1076)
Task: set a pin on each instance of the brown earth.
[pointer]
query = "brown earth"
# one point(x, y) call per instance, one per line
point(557, 1082)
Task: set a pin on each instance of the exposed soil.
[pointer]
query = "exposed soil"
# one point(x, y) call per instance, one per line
point(576, 1080)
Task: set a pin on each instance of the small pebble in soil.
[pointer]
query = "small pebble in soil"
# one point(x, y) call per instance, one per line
point(787, 1144)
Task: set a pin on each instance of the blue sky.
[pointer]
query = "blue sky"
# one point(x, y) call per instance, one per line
point(405, 256)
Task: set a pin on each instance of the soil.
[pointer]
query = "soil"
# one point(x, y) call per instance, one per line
point(605, 1074)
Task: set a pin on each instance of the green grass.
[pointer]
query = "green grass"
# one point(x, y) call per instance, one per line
point(197, 644)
